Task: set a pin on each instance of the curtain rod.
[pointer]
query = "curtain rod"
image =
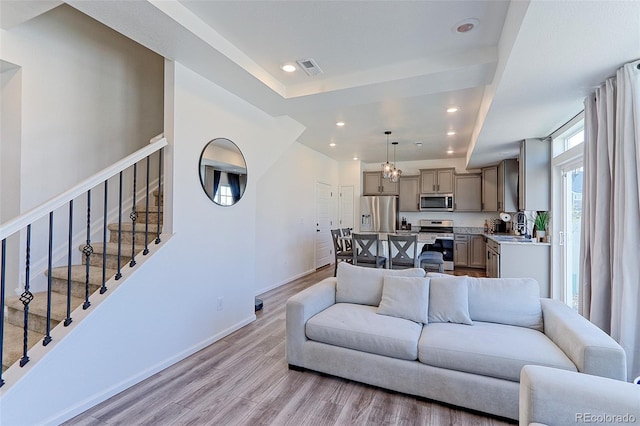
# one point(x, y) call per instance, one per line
point(579, 116)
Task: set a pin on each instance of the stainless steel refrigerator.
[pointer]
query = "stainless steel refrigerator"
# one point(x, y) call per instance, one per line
point(378, 213)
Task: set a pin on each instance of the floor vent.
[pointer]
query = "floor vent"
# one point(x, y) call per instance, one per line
point(309, 66)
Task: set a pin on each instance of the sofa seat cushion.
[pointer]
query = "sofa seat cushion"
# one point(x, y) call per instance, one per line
point(488, 349)
point(359, 327)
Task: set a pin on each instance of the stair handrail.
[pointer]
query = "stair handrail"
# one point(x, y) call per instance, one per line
point(20, 222)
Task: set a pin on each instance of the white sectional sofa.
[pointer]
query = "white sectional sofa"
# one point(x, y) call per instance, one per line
point(559, 398)
point(458, 340)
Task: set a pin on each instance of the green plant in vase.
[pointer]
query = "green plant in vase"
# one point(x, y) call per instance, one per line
point(540, 224)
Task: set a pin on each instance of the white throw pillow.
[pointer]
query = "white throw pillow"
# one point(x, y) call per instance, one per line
point(363, 286)
point(449, 300)
point(509, 301)
point(405, 297)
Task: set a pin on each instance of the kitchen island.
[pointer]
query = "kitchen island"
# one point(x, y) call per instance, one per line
point(510, 256)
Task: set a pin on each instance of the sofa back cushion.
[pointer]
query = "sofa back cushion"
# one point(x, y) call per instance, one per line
point(357, 284)
point(510, 301)
point(449, 300)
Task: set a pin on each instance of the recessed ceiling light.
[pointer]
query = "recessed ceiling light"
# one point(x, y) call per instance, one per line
point(332, 144)
point(418, 144)
point(452, 109)
point(449, 151)
point(465, 26)
point(451, 133)
point(288, 68)
point(340, 123)
point(355, 158)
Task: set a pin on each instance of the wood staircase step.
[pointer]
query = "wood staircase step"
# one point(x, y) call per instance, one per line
point(38, 310)
point(112, 254)
point(78, 277)
point(13, 340)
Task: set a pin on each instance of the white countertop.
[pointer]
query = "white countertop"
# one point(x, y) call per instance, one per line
point(513, 239)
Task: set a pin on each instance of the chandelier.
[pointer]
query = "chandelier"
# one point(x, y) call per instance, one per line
point(395, 173)
point(387, 168)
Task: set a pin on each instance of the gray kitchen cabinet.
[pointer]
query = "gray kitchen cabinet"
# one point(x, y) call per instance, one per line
point(490, 189)
point(469, 250)
point(467, 190)
point(437, 181)
point(409, 189)
point(373, 184)
point(499, 187)
point(461, 250)
point(535, 175)
point(508, 185)
point(492, 266)
point(476, 251)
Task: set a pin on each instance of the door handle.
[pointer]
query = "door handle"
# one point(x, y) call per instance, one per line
point(317, 230)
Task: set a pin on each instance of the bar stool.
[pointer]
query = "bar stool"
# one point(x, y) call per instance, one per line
point(431, 260)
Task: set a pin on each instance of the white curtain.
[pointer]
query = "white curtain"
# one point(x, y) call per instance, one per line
point(610, 246)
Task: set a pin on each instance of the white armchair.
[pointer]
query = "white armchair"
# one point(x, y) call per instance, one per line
point(550, 396)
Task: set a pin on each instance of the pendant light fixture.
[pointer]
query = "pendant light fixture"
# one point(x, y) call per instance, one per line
point(395, 173)
point(387, 167)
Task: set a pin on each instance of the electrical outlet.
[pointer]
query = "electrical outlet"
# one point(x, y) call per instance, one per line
point(220, 303)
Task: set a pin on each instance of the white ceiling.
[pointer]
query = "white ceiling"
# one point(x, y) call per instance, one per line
point(394, 65)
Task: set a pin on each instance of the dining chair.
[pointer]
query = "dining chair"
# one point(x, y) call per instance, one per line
point(340, 253)
point(346, 232)
point(405, 248)
point(365, 251)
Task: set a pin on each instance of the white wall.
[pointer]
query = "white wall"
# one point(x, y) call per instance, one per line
point(286, 221)
point(166, 309)
point(87, 97)
point(90, 96)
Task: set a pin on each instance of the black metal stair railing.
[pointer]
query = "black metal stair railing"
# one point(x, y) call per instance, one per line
point(27, 225)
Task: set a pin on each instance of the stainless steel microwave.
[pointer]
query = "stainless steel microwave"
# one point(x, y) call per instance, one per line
point(436, 202)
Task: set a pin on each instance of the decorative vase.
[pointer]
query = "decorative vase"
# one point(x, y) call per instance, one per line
point(540, 235)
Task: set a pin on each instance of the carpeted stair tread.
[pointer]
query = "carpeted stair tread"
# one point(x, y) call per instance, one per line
point(111, 248)
point(128, 226)
point(141, 208)
point(78, 273)
point(12, 349)
point(38, 306)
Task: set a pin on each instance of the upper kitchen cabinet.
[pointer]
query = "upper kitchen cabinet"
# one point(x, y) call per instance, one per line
point(535, 175)
point(437, 181)
point(490, 189)
point(375, 185)
point(499, 187)
point(409, 193)
point(508, 186)
point(467, 190)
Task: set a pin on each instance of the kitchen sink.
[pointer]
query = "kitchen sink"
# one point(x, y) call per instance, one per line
point(512, 239)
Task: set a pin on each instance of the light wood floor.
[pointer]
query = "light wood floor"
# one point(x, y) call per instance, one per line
point(243, 379)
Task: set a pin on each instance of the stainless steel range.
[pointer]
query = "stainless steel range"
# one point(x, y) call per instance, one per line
point(438, 236)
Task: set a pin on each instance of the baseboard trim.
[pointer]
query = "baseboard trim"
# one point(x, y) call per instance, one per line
point(127, 383)
point(283, 282)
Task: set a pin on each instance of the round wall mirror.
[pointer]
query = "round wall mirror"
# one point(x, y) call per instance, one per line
point(223, 172)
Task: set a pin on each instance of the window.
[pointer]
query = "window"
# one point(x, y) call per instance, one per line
point(574, 140)
point(567, 205)
point(223, 196)
point(571, 210)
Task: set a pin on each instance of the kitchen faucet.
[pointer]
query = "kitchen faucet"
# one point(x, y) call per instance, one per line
point(523, 225)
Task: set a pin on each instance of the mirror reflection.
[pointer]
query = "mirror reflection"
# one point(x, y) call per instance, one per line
point(223, 172)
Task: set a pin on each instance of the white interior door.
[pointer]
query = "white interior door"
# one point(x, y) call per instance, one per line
point(324, 244)
point(346, 206)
